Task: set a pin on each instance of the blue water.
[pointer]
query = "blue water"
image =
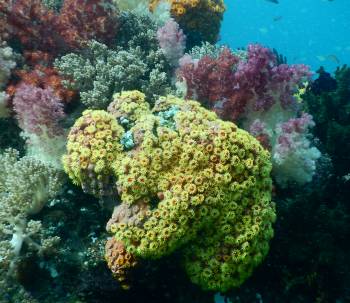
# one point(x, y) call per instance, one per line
point(314, 32)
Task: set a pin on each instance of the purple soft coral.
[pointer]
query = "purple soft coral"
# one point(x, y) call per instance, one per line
point(267, 82)
point(38, 111)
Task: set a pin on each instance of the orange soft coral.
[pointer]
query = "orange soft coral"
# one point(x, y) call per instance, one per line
point(119, 261)
point(43, 77)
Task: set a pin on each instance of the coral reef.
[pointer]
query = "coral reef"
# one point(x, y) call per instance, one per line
point(38, 111)
point(7, 63)
point(83, 20)
point(317, 214)
point(130, 5)
point(256, 81)
point(119, 260)
point(293, 156)
point(137, 29)
point(188, 184)
point(42, 77)
point(54, 5)
point(4, 111)
point(93, 146)
point(164, 199)
point(29, 21)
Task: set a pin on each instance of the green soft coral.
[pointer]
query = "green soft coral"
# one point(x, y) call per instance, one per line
point(26, 186)
point(100, 72)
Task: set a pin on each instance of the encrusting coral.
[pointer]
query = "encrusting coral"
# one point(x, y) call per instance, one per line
point(187, 181)
point(119, 260)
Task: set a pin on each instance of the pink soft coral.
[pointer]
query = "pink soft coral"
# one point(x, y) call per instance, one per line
point(38, 111)
point(293, 156)
point(172, 41)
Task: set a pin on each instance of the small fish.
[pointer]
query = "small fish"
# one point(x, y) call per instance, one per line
point(277, 18)
point(333, 58)
point(273, 1)
point(321, 58)
point(263, 30)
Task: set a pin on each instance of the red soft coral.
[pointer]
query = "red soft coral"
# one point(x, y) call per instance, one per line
point(209, 79)
point(38, 28)
point(82, 20)
point(31, 23)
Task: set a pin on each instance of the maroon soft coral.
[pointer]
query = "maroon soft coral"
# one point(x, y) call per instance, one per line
point(231, 85)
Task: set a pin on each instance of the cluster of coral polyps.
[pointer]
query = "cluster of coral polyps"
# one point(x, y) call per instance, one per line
point(186, 181)
point(119, 260)
point(200, 19)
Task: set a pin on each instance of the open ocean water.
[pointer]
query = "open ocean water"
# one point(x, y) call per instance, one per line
point(315, 32)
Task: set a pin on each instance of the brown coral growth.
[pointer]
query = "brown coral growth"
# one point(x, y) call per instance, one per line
point(119, 261)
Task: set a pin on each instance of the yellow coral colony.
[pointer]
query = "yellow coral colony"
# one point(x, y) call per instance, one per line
point(187, 181)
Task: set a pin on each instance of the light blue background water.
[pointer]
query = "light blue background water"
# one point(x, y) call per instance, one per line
point(314, 32)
